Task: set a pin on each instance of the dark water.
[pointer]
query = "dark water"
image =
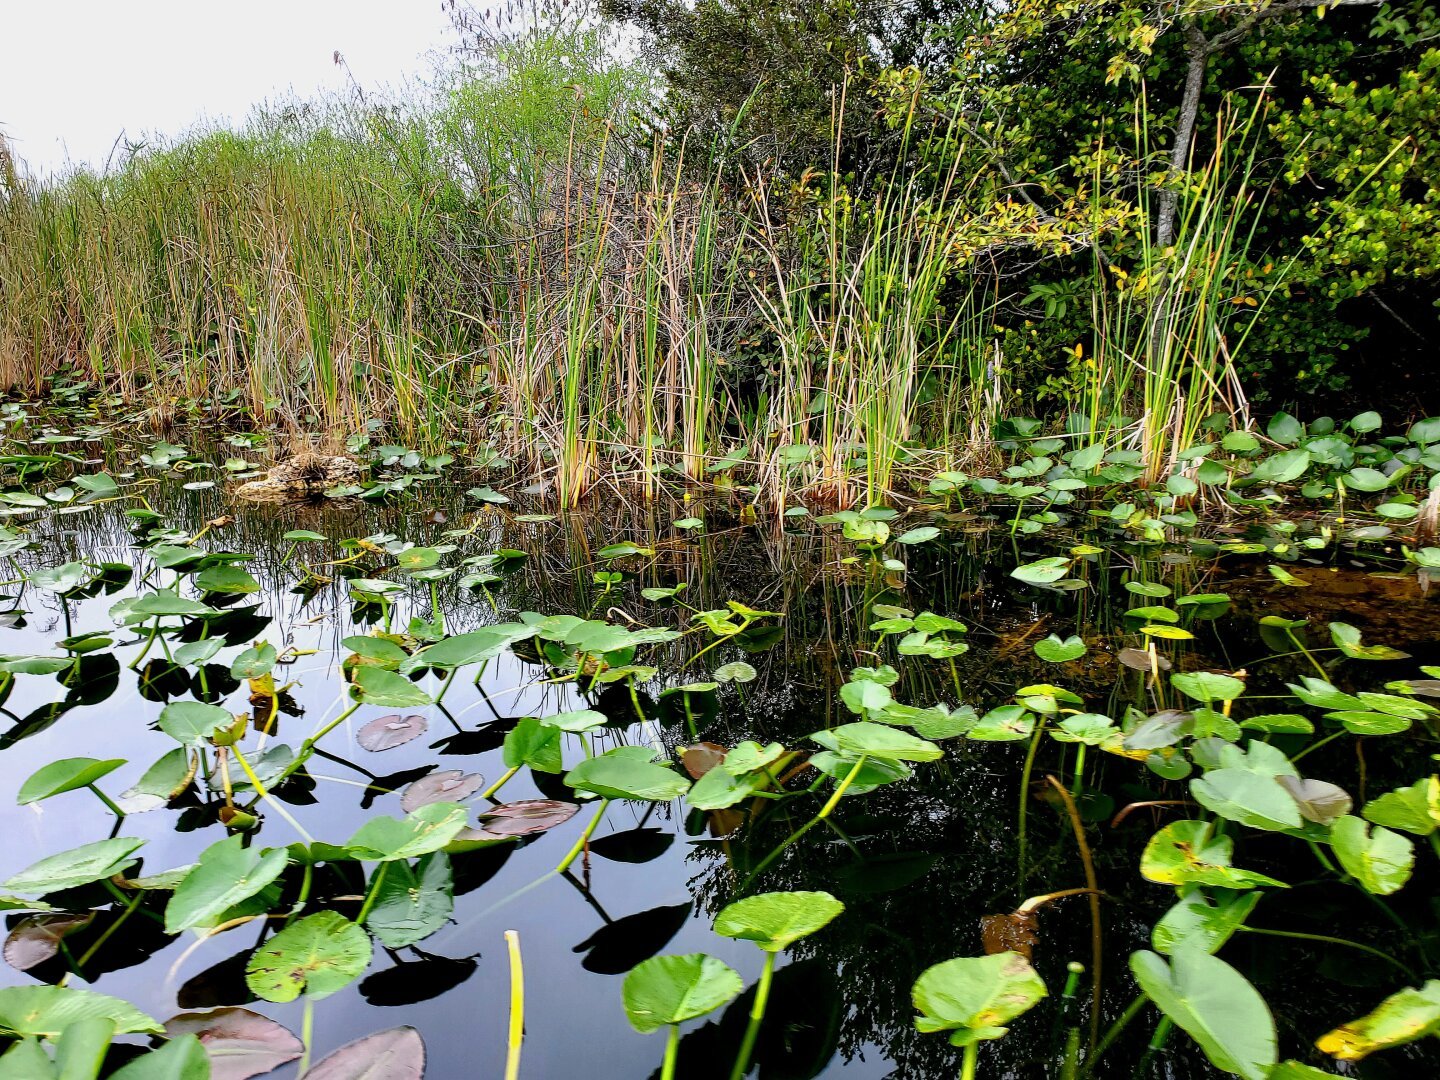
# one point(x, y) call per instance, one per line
point(917, 863)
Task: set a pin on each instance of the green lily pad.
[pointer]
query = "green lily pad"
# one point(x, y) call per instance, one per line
point(64, 775)
point(1215, 1005)
point(672, 989)
point(317, 955)
point(776, 920)
point(1380, 860)
point(46, 1011)
point(78, 866)
point(627, 772)
point(228, 872)
point(973, 996)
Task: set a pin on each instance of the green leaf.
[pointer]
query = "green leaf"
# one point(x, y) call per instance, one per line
point(1247, 797)
point(1005, 723)
point(228, 872)
point(672, 989)
point(1208, 686)
point(377, 686)
point(973, 996)
point(1215, 1005)
point(182, 1058)
point(1347, 640)
point(1402, 1017)
point(776, 920)
point(78, 866)
point(535, 745)
point(918, 535)
point(80, 1051)
point(1188, 853)
point(67, 774)
point(227, 580)
point(877, 740)
point(1042, 571)
point(410, 905)
point(1380, 860)
point(191, 723)
point(575, 720)
point(1415, 809)
point(1055, 651)
point(475, 647)
point(429, 828)
point(197, 652)
point(1202, 921)
point(1281, 468)
point(1285, 429)
point(255, 662)
point(46, 1011)
point(317, 955)
point(627, 772)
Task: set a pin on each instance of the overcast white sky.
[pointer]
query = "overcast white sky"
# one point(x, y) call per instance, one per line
point(74, 74)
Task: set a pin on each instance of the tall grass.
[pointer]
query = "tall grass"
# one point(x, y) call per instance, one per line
point(518, 261)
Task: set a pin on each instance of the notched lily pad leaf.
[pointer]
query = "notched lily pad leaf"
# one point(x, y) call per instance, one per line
point(449, 785)
point(396, 1053)
point(240, 1043)
point(776, 920)
point(318, 955)
point(525, 817)
point(973, 996)
point(388, 732)
point(37, 938)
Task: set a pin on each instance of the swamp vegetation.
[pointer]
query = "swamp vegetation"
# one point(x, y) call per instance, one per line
point(822, 574)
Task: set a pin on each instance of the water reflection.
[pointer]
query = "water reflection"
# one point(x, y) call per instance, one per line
point(917, 863)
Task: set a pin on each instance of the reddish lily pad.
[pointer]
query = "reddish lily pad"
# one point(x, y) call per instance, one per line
point(450, 785)
point(396, 1053)
point(37, 938)
point(525, 817)
point(240, 1043)
point(388, 732)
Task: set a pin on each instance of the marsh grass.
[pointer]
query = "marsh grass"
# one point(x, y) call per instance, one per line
point(510, 266)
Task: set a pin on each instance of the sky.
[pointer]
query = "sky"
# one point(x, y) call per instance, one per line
point(75, 74)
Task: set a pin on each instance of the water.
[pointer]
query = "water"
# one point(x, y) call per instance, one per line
point(916, 863)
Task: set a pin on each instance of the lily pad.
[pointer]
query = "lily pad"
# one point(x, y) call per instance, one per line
point(776, 920)
point(240, 1043)
point(448, 785)
point(396, 1053)
point(1403, 1017)
point(46, 1011)
point(672, 989)
point(388, 732)
point(973, 996)
point(627, 772)
point(67, 774)
point(228, 872)
point(1215, 1005)
point(78, 866)
point(1380, 860)
point(317, 955)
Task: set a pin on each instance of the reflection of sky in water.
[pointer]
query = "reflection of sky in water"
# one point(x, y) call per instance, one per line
point(575, 1023)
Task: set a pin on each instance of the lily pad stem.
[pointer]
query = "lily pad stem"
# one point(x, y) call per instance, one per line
point(672, 1052)
point(575, 851)
point(967, 1065)
point(757, 1013)
point(372, 893)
